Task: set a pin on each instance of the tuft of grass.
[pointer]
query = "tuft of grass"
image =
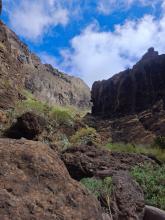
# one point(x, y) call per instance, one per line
point(99, 188)
point(130, 148)
point(152, 181)
point(84, 135)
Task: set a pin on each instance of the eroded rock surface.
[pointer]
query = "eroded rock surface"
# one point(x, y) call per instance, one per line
point(28, 125)
point(34, 184)
point(133, 101)
point(20, 69)
point(89, 161)
point(133, 90)
point(152, 213)
point(127, 199)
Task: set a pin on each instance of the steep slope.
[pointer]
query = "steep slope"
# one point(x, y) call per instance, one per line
point(19, 68)
point(131, 91)
point(132, 102)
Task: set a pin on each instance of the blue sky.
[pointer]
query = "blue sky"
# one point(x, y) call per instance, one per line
point(87, 38)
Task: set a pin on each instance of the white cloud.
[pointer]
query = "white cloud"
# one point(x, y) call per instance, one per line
point(32, 18)
point(97, 55)
point(108, 6)
point(48, 59)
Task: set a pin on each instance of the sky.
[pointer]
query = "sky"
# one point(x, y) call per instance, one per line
point(91, 39)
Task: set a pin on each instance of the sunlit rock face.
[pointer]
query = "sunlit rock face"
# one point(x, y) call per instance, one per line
point(20, 69)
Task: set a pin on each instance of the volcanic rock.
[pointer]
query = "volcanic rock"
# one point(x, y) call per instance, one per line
point(20, 69)
point(130, 105)
point(34, 184)
point(133, 90)
point(152, 213)
point(28, 125)
point(127, 199)
point(89, 161)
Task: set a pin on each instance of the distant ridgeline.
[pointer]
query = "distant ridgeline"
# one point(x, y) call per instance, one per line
point(133, 90)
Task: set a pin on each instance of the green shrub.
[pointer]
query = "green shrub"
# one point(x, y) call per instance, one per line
point(56, 115)
point(152, 181)
point(84, 135)
point(98, 187)
point(61, 116)
point(130, 148)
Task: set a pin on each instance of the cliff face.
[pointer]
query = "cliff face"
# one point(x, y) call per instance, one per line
point(131, 91)
point(21, 69)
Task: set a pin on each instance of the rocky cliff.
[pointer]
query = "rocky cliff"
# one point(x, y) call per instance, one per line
point(131, 103)
point(131, 91)
point(21, 69)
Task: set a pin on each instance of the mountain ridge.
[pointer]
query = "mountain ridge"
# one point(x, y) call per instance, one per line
point(45, 82)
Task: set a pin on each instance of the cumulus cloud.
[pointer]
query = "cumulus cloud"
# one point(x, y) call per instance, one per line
point(108, 6)
point(97, 54)
point(32, 18)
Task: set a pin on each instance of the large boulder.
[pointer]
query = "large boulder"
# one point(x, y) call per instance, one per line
point(152, 213)
point(29, 125)
point(127, 199)
point(34, 184)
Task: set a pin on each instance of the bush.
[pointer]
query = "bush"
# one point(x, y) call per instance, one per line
point(61, 116)
point(152, 181)
point(100, 188)
point(84, 135)
point(56, 115)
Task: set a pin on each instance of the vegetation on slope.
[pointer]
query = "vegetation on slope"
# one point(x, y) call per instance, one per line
point(102, 189)
point(152, 181)
point(154, 150)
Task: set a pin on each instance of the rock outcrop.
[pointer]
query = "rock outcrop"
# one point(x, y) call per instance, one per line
point(127, 204)
point(130, 105)
point(28, 125)
point(132, 91)
point(89, 161)
point(127, 199)
point(34, 184)
point(20, 69)
point(152, 213)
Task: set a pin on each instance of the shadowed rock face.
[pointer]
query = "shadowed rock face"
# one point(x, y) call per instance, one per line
point(131, 91)
point(34, 184)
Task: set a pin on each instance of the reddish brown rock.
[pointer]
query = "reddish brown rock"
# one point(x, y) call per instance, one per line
point(127, 199)
point(89, 161)
point(29, 125)
point(34, 184)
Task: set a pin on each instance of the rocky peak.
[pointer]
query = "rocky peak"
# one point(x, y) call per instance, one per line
point(151, 53)
point(131, 91)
